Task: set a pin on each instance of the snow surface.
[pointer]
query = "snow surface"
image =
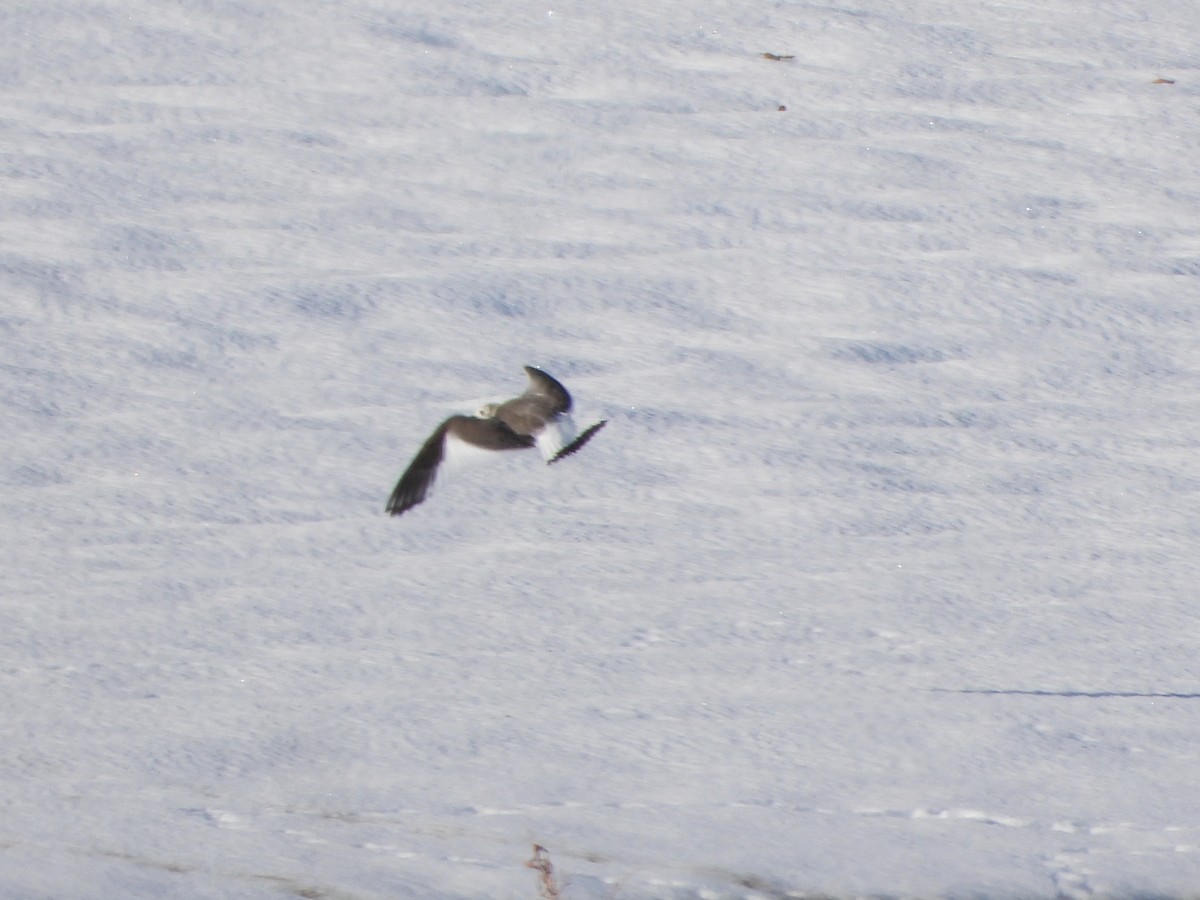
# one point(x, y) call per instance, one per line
point(882, 579)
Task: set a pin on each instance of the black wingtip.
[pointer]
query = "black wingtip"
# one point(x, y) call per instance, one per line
point(400, 503)
point(414, 485)
point(411, 491)
point(578, 443)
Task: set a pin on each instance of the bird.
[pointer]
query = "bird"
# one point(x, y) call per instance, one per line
point(540, 417)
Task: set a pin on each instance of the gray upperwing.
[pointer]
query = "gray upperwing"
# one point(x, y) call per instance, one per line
point(488, 434)
point(543, 401)
point(543, 385)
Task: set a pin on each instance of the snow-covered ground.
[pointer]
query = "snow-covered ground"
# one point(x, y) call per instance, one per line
point(882, 579)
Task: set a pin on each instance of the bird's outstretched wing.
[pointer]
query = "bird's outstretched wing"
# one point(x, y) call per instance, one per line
point(418, 478)
point(548, 389)
point(483, 434)
point(545, 403)
point(578, 443)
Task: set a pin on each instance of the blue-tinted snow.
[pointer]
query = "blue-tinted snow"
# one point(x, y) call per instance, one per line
point(881, 580)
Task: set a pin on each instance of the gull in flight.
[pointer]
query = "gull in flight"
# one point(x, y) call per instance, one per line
point(540, 417)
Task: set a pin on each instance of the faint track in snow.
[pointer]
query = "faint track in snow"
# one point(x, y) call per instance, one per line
point(967, 815)
point(1019, 692)
point(591, 874)
point(286, 884)
point(399, 852)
